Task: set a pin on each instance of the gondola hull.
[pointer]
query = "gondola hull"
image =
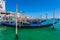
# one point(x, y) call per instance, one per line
point(31, 25)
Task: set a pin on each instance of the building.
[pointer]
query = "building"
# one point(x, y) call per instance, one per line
point(4, 13)
point(2, 5)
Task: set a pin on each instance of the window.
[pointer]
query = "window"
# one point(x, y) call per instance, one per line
point(0, 6)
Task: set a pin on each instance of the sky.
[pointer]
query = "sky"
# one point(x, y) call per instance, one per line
point(35, 8)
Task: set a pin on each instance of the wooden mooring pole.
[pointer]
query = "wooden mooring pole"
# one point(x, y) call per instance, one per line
point(46, 16)
point(53, 17)
point(40, 18)
point(16, 23)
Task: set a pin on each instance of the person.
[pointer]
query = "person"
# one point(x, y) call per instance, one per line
point(4, 17)
point(0, 19)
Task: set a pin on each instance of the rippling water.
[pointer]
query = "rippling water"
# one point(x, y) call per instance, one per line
point(8, 33)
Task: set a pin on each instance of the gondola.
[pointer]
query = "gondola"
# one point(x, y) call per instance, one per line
point(31, 24)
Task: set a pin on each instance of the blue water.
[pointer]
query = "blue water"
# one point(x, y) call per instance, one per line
point(57, 26)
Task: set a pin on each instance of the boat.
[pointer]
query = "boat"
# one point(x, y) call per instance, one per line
point(40, 24)
point(13, 24)
point(31, 24)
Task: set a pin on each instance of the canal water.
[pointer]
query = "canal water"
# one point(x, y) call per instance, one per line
point(46, 33)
